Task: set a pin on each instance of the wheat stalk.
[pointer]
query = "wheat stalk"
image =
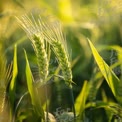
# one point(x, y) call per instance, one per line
point(34, 32)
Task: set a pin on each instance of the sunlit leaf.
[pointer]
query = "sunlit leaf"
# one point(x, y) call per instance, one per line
point(12, 87)
point(112, 80)
point(33, 91)
point(111, 107)
point(81, 100)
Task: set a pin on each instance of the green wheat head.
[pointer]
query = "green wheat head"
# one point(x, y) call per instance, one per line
point(34, 32)
point(53, 34)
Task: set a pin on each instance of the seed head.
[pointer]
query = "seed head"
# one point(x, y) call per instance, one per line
point(54, 35)
point(34, 32)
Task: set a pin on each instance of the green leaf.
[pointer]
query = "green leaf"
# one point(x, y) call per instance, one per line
point(109, 114)
point(35, 99)
point(107, 72)
point(111, 107)
point(12, 87)
point(81, 100)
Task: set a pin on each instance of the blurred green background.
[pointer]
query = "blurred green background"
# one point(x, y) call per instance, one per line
point(98, 20)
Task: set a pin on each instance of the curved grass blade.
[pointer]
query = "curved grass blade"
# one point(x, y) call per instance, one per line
point(12, 87)
point(109, 113)
point(112, 80)
point(33, 91)
point(112, 108)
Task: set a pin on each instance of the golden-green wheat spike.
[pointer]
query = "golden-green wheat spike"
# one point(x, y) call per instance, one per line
point(54, 36)
point(34, 32)
point(41, 57)
point(63, 60)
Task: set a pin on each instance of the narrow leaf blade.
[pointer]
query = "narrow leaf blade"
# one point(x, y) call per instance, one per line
point(107, 72)
point(32, 90)
point(81, 100)
point(13, 81)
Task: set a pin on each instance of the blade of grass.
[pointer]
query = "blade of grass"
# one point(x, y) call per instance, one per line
point(112, 80)
point(17, 106)
point(108, 112)
point(33, 91)
point(111, 107)
point(13, 81)
point(73, 63)
point(12, 86)
point(81, 100)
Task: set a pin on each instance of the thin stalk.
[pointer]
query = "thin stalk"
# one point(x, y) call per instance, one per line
point(73, 107)
point(46, 97)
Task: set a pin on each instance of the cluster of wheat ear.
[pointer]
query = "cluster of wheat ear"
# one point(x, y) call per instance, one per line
point(44, 30)
point(34, 32)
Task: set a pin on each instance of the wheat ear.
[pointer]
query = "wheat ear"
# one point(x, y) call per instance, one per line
point(34, 32)
point(54, 36)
